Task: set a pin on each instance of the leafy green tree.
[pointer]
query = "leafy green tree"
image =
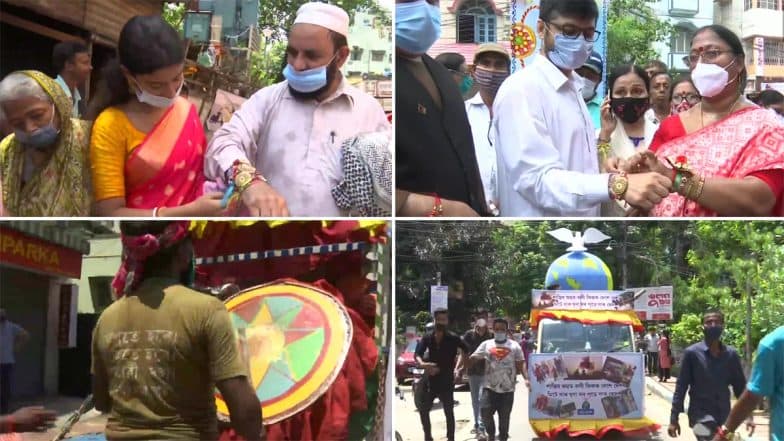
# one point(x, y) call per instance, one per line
point(633, 28)
point(174, 14)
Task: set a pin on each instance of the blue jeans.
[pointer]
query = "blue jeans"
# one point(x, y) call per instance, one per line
point(475, 383)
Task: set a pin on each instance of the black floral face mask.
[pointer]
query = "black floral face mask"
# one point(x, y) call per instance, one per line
point(629, 109)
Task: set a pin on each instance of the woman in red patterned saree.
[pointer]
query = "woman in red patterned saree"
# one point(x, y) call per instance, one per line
point(147, 144)
point(725, 155)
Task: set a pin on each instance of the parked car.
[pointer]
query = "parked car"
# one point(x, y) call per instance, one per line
point(406, 363)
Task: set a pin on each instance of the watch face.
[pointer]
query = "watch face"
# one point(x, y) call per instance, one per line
point(619, 185)
point(243, 179)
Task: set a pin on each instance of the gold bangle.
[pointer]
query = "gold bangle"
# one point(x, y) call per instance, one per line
point(697, 189)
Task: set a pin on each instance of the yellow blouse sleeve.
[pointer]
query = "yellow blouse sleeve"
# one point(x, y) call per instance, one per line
point(113, 138)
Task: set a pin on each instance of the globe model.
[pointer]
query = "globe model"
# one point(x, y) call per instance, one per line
point(579, 270)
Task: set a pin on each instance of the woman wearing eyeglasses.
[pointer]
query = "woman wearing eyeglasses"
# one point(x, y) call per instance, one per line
point(683, 95)
point(725, 155)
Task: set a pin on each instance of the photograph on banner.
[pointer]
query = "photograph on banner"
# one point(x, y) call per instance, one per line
point(586, 386)
point(297, 312)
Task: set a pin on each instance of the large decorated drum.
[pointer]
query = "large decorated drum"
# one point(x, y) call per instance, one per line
point(294, 339)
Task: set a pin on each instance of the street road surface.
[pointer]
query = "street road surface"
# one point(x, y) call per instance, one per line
point(408, 425)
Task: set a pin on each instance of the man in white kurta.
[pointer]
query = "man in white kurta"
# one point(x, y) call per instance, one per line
point(291, 134)
point(548, 164)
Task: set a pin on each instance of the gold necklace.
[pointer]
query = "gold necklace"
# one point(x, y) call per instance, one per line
point(702, 122)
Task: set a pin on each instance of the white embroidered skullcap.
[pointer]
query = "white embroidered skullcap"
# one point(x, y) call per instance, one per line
point(322, 14)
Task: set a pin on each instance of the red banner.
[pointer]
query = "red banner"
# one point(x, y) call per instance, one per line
point(29, 252)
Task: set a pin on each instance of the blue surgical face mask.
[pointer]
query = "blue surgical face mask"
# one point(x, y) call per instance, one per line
point(41, 137)
point(160, 102)
point(307, 81)
point(500, 338)
point(417, 26)
point(570, 53)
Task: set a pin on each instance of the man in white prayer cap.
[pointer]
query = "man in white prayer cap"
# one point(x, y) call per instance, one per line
point(281, 151)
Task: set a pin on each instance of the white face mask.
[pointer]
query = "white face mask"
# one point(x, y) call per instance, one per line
point(161, 102)
point(589, 89)
point(710, 79)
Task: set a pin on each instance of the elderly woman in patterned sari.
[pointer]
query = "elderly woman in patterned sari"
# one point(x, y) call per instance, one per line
point(725, 155)
point(44, 162)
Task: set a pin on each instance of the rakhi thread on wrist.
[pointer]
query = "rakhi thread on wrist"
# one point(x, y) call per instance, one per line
point(438, 207)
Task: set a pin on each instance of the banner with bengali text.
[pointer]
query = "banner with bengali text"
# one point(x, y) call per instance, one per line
point(586, 386)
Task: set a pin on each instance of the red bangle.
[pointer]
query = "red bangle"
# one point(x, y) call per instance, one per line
point(674, 175)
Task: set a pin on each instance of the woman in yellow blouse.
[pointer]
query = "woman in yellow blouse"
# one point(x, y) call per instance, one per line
point(147, 145)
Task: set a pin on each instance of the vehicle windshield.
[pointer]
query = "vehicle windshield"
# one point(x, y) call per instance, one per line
point(565, 336)
point(411, 347)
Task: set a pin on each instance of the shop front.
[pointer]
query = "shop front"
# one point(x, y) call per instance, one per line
point(38, 265)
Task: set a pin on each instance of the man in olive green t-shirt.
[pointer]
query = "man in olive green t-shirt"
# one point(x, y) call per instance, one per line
point(161, 349)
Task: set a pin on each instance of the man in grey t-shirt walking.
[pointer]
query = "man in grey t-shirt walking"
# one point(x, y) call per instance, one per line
point(504, 359)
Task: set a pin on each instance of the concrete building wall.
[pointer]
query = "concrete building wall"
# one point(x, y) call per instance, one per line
point(366, 38)
point(687, 16)
point(101, 265)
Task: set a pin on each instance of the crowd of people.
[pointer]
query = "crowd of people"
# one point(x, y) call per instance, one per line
point(312, 145)
point(540, 142)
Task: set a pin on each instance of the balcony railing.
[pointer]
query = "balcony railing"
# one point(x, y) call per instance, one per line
point(684, 8)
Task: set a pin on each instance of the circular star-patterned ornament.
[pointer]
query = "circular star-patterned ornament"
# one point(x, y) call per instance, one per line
point(293, 338)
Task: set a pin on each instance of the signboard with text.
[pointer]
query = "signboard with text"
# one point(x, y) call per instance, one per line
point(439, 297)
point(655, 303)
point(29, 252)
point(586, 386)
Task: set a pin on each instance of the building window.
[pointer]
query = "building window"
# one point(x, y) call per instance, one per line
point(377, 55)
point(356, 53)
point(476, 22)
point(768, 4)
point(681, 40)
point(748, 4)
point(774, 52)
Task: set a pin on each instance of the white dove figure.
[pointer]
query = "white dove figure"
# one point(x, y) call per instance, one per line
point(578, 241)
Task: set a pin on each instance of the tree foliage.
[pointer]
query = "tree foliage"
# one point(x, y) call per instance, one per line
point(634, 27)
point(499, 263)
point(277, 17)
point(174, 14)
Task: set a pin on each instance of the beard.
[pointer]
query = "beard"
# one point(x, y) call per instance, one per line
point(332, 73)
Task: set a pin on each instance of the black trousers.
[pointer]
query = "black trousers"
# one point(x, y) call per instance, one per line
point(447, 398)
point(493, 402)
point(664, 373)
point(653, 363)
point(5, 387)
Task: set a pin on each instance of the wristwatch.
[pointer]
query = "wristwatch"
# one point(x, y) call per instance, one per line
point(619, 183)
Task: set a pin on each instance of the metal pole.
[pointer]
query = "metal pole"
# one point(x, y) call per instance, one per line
point(624, 263)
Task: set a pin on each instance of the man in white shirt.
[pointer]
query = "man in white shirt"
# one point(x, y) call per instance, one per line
point(490, 69)
point(71, 60)
point(12, 336)
point(504, 360)
point(547, 156)
point(282, 148)
point(652, 345)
